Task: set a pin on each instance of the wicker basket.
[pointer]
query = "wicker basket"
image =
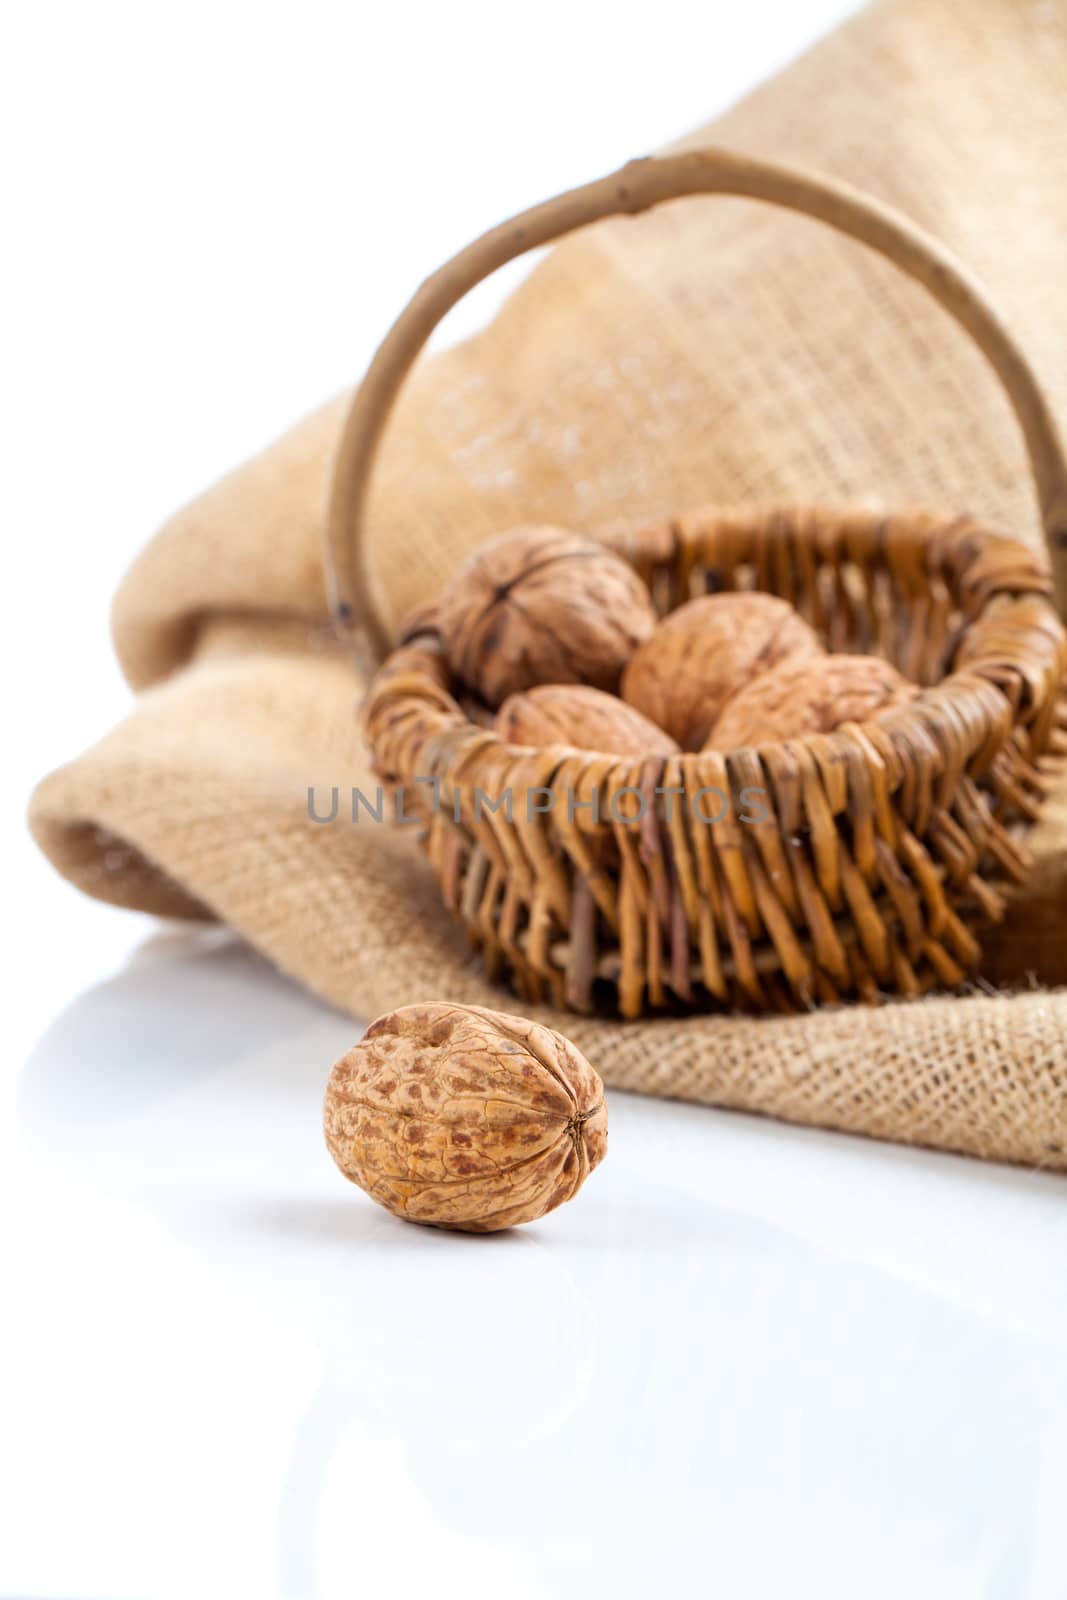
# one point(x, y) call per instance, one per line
point(879, 850)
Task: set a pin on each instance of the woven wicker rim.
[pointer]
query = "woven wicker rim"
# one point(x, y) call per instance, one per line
point(887, 843)
point(637, 187)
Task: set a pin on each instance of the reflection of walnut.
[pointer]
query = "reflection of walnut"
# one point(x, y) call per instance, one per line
point(705, 652)
point(541, 605)
point(465, 1118)
point(586, 719)
point(810, 697)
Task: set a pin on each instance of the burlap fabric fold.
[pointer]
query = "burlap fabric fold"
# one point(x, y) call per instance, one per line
point(712, 350)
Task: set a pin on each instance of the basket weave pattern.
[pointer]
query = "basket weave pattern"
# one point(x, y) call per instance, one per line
point(878, 849)
point(883, 845)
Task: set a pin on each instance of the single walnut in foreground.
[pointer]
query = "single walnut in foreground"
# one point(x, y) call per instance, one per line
point(465, 1118)
point(810, 697)
point(587, 719)
point(541, 605)
point(706, 651)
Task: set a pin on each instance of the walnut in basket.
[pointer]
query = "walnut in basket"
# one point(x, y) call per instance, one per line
point(465, 1118)
point(706, 651)
point(542, 605)
point(812, 696)
point(584, 718)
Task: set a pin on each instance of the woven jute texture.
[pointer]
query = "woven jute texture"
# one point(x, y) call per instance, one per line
point(709, 351)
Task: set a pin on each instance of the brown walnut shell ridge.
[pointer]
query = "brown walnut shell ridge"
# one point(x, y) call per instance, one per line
point(542, 605)
point(703, 653)
point(464, 1118)
point(585, 719)
point(805, 697)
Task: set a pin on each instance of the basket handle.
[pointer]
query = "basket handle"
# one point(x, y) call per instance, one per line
point(637, 187)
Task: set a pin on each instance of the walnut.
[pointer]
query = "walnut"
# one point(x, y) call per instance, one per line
point(814, 696)
point(541, 605)
point(704, 652)
point(586, 719)
point(464, 1118)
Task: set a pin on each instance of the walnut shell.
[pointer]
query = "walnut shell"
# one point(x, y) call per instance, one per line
point(814, 696)
point(541, 605)
point(706, 651)
point(586, 719)
point(465, 1118)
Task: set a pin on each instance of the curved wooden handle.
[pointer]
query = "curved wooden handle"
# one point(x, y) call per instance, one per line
point(635, 188)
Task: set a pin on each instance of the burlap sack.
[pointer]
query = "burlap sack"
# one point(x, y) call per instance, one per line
point(711, 350)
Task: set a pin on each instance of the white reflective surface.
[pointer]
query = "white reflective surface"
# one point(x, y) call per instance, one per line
point(748, 1359)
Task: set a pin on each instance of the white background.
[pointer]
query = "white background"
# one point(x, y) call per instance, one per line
point(750, 1360)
